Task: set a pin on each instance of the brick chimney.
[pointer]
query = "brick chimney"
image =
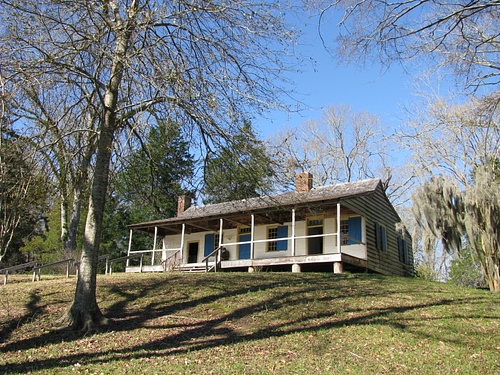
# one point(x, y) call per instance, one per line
point(183, 203)
point(303, 182)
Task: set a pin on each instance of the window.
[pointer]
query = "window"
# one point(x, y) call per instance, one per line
point(272, 234)
point(403, 250)
point(315, 222)
point(380, 237)
point(275, 233)
point(216, 241)
point(344, 230)
point(350, 231)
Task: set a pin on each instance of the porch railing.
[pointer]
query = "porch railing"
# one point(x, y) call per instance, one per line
point(217, 253)
point(172, 261)
point(121, 259)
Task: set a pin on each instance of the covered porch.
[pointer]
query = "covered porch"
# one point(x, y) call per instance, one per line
point(248, 238)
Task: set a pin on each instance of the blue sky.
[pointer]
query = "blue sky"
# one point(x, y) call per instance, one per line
point(373, 89)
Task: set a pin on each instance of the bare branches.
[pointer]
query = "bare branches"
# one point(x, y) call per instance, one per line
point(207, 65)
point(452, 139)
point(344, 146)
point(463, 36)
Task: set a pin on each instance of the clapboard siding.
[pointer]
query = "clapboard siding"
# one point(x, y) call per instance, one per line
point(363, 198)
point(377, 210)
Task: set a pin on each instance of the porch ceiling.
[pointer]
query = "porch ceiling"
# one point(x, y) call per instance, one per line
point(265, 217)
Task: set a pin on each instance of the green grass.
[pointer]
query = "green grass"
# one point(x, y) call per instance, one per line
point(260, 323)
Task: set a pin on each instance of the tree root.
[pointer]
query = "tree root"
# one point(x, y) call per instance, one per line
point(83, 321)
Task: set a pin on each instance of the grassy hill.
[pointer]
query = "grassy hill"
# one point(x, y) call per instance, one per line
point(260, 323)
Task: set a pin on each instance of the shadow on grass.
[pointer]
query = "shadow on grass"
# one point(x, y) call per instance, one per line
point(32, 309)
point(181, 335)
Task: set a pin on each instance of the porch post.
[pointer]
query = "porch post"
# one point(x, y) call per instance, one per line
point(220, 231)
point(252, 237)
point(337, 266)
point(129, 245)
point(293, 232)
point(154, 247)
point(182, 242)
point(338, 229)
point(218, 254)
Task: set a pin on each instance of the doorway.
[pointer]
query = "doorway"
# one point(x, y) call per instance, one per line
point(315, 228)
point(244, 249)
point(193, 252)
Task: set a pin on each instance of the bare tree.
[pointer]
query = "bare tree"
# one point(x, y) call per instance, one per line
point(22, 189)
point(344, 146)
point(463, 36)
point(200, 63)
point(452, 139)
point(63, 131)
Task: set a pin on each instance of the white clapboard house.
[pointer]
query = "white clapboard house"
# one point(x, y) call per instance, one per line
point(350, 226)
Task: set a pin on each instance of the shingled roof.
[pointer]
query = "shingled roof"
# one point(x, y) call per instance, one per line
point(318, 194)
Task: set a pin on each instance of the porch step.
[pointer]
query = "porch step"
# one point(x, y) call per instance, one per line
point(195, 268)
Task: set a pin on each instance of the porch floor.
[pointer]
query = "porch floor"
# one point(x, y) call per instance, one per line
point(267, 262)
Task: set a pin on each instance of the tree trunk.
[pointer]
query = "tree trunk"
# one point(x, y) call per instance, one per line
point(84, 312)
point(491, 267)
point(70, 238)
point(79, 185)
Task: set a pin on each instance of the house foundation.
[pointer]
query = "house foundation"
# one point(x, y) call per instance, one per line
point(338, 267)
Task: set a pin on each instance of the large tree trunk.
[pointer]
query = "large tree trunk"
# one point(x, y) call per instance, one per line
point(491, 266)
point(84, 312)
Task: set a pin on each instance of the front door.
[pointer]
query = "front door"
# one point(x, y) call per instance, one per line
point(193, 252)
point(244, 249)
point(314, 228)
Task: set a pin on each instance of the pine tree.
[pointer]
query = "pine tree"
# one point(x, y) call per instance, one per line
point(239, 171)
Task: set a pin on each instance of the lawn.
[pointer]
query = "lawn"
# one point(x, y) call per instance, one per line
point(259, 323)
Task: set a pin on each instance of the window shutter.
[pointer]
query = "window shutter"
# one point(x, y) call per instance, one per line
point(384, 238)
point(400, 249)
point(209, 243)
point(354, 230)
point(282, 233)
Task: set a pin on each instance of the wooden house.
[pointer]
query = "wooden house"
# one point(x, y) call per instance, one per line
point(350, 226)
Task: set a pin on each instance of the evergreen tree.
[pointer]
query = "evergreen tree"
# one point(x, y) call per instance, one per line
point(465, 270)
point(155, 175)
point(239, 171)
point(147, 187)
